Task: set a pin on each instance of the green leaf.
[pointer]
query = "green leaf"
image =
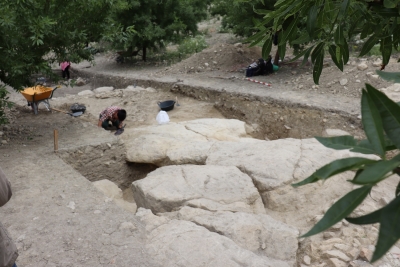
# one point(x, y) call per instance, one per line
point(301, 54)
point(266, 49)
point(372, 124)
point(397, 192)
point(267, 19)
point(394, 27)
point(376, 172)
point(333, 168)
point(341, 209)
point(364, 147)
point(311, 20)
point(389, 145)
point(306, 55)
point(345, 52)
point(261, 11)
point(343, 8)
point(367, 30)
point(371, 218)
point(353, 26)
point(256, 38)
point(332, 52)
point(338, 142)
point(282, 51)
point(386, 49)
point(339, 37)
point(289, 30)
point(317, 51)
point(304, 38)
point(389, 230)
point(385, 12)
point(280, 3)
point(368, 45)
point(318, 66)
point(389, 112)
point(389, 76)
point(390, 3)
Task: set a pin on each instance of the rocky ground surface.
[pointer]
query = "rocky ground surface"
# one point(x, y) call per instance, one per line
point(58, 218)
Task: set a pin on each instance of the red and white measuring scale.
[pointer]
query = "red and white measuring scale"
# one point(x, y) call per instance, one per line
point(255, 81)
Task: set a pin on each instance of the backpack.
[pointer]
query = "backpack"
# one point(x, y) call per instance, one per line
point(252, 69)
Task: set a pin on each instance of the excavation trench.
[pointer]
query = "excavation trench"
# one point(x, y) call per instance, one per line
point(106, 161)
point(270, 118)
point(266, 119)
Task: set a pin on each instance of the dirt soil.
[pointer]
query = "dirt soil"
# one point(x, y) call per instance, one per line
point(58, 219)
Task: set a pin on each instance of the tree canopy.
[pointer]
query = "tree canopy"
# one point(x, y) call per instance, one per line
point(36, 33)
point(152, 23)
point(326, 26)
point(239, 15)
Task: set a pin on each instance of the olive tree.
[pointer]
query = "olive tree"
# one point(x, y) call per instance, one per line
point(326, 26)
point(36, 33)
point(148, 24)
point(240, 16)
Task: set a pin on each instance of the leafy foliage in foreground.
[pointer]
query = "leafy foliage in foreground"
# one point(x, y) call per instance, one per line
point(381, 121)
point(326, 26)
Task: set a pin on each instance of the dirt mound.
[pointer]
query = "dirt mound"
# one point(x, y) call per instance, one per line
point(229, 57)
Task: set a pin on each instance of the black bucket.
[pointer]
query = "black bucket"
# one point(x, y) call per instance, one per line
point(166, 105)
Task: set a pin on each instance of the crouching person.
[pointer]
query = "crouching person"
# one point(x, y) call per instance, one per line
point(8, 250)
point(112, 116)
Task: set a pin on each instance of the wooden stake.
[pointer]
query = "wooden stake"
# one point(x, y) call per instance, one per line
point(55, 140)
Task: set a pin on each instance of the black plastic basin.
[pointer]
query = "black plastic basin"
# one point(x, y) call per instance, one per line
point(166, 105)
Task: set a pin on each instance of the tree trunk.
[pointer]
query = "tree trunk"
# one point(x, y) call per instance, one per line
point(276, 59)
point(144, 53)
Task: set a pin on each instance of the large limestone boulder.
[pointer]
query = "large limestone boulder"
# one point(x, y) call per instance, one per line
point(269, 163)
point(334, 132)
point(218, 129)
point(313, 156)
point(259, 233)
point(103, 89)
point(182, 143)
point(212, 188)
point(183, 243)
point(316, 197)
point(169, 144)
point(86, 93)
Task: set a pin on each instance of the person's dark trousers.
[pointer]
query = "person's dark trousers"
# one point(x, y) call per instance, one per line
point(65, 73)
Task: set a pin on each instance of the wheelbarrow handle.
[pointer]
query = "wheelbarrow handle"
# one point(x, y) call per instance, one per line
point(61, 111)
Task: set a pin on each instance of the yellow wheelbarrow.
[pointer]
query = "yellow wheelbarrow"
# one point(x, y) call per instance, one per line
point(38, 94)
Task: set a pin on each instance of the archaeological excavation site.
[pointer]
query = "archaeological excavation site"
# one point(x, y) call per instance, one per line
point(210, 187)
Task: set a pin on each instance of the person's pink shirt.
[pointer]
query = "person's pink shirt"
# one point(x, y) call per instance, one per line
point(64, 65)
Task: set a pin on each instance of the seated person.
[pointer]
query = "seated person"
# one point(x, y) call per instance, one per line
point(115, 115)
point(261, 67)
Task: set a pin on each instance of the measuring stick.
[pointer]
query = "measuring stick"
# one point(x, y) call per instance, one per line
point(255, 81)
point(55, 140)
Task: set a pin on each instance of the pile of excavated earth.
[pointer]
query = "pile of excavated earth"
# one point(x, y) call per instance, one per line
point(210, 188)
